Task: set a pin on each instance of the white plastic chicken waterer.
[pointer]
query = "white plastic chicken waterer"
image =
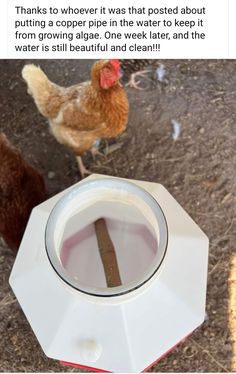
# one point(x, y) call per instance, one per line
point(111, 274)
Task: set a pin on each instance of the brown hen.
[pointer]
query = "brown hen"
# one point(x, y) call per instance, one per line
point(81, 114)
point(21, 189)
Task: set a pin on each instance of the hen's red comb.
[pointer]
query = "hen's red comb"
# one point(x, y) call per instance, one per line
point(115, 63)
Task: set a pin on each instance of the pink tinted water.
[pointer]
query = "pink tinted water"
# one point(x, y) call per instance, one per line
point(135, 245)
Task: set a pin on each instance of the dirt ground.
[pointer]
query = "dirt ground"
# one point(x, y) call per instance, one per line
point(198, 169)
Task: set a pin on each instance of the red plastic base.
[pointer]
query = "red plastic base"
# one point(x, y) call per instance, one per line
point(143, 371)
point(166, 353)
point(84, 367)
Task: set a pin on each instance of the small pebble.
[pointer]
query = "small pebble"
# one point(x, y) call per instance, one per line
point(202, 130)
point(51, 175)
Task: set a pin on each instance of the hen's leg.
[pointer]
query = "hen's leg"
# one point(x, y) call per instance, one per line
point(132, 82)
point(95, 152)
point(82, 168)
point(78, 141)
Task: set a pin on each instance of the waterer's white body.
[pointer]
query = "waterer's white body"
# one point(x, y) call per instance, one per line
point(123, 333)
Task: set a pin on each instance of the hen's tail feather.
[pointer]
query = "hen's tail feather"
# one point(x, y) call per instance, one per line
point(41, 89)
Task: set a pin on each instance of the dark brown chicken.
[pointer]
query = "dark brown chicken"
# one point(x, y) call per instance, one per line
point(82, 114)
point(21, 189)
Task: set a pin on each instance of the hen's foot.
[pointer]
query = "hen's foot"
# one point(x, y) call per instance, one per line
point(83, 170)
point(135, 84)
point(112, 148)
point(95, 152)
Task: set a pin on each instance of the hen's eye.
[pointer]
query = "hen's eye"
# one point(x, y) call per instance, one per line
point(107, 71)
